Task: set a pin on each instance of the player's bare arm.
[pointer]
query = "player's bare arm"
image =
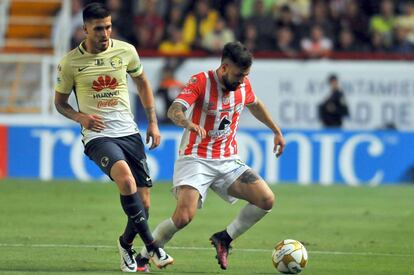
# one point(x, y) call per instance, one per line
point(90, 122)
point(147, 100)
point(259, 111)
point(176, 114)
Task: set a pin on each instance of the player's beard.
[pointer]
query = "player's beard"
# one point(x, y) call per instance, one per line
point(230, 86)
point(103, 45)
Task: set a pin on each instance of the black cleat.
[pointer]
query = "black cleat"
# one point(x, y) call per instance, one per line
point(142, 264)
point(222, 249)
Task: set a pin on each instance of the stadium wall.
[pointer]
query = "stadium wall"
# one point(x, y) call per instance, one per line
point(47, 146)
point(3, 151)
point(311, 156)
point(378, 93)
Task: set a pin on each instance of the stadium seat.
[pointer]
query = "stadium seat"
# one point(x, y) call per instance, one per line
point(29, 28)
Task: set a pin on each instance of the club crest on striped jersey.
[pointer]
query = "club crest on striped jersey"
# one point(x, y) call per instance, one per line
point(226, 99)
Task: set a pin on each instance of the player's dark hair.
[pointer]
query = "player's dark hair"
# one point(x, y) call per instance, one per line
point(238, 54)
point(95, 11)
point(332, 77)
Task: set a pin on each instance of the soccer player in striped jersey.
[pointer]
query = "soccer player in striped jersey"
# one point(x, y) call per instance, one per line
point(209, 109)
point(96, 72)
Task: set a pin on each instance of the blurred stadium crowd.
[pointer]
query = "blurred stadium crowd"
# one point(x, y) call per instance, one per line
point(311, 28)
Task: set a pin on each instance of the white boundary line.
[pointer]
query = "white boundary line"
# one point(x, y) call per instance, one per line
point(252, 250)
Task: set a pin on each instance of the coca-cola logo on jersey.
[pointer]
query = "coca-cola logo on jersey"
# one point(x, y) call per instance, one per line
point(107, 103)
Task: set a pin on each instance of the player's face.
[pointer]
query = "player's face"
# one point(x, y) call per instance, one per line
point(233, 76)
point(98, 32)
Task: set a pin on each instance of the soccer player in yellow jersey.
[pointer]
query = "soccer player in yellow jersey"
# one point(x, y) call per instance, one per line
point(96, 73)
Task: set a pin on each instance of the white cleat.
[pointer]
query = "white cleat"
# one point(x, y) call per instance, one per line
point(160, 258)
point(128, 263)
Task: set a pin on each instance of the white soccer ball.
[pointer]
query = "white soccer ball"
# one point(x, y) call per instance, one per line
point(289, 257)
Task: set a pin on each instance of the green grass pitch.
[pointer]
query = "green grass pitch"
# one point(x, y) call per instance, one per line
point(72, 227)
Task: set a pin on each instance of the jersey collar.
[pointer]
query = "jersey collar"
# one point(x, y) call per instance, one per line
point(219, 84)
point(82, 49)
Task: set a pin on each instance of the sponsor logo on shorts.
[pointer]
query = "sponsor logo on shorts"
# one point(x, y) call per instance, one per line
point(239, 162)
point(104, 161)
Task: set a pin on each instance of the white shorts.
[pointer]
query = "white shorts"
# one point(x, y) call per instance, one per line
point(204, 173)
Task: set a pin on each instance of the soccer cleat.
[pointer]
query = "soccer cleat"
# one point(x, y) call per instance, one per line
point(222, 249)
point(142, 263)
point(160, 258)
point(128, 263)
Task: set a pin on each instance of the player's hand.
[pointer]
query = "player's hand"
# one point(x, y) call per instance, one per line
point(279, 145)
point(153, 133)
point(92, 122)
point(200, 131)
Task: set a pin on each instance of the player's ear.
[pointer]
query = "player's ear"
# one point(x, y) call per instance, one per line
point(224, 67)
point(85, 30)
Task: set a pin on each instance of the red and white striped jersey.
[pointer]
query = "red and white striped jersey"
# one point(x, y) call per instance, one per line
point(217, 111)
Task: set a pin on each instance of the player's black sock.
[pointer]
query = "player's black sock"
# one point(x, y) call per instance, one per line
point(130, 233)
point(225, 236)
point(135, 211)
point(124, 244)
point(151, 247)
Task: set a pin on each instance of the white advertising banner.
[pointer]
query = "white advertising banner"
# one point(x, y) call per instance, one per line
point(377, 92)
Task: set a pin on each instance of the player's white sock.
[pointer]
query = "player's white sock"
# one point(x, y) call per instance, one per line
point(162, 234)
point(248, 216)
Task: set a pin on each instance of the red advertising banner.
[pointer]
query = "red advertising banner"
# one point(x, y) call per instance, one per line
point(3, 151)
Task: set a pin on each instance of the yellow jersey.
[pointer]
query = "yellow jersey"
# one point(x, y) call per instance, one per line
point(99, 82)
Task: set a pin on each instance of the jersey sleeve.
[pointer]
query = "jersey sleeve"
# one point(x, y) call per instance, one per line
point(192, 90)
point(250, 96)
point(134, 67)
point(64, 80)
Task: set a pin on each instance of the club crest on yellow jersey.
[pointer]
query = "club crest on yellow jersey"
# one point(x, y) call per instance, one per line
point(116, 62)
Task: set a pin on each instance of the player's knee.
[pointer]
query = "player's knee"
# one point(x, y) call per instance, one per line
point(182, 219)
point(267, 201)
point(127, 185)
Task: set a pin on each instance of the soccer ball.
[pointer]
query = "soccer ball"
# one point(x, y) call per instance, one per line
point(289, 257)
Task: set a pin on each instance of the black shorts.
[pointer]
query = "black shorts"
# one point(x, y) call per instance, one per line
point(105, 151)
